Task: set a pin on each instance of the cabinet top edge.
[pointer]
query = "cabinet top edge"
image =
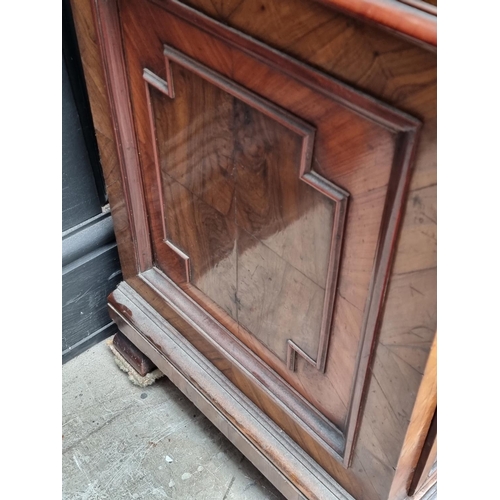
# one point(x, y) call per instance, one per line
point(420, 25)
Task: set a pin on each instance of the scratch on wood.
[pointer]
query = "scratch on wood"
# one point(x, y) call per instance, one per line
point(418, 291)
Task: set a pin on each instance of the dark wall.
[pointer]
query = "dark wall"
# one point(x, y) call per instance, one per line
point(90, 266)
point(80, 200)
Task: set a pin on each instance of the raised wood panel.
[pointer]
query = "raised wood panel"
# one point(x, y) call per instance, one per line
point(238, 174)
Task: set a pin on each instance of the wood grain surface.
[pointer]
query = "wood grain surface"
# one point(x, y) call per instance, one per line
point(241, 201)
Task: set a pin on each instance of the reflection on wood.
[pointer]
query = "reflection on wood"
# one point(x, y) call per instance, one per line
point(258, 238)
point(195, 148)
point(208, 237)
point(276, 301)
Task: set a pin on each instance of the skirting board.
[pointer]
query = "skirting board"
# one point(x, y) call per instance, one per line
point(88, 342)
point(275, 454)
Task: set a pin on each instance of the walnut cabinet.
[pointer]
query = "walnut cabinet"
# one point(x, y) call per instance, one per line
point(271, 170)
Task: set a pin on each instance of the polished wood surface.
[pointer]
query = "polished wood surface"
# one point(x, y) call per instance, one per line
point(240, 201)
point(412, 19)
point(352, 419)
point(405, 76)
point(427, 460)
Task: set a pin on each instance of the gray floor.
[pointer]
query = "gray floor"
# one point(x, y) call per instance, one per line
point(121, 441)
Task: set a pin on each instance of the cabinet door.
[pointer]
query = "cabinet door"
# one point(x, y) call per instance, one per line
point(271, 195)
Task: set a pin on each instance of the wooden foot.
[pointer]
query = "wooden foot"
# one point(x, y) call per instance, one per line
point(141, 363)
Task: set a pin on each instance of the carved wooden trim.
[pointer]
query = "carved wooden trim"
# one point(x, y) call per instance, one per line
point(340, 196)
point(157, 82)
point(151, 79)
point(296, 475)
point(183, 256)
point(283, 117)
point(391, 220)
point(107, 23)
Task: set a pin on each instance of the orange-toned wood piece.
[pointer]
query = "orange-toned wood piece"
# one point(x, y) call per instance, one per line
point(421, 433)
point(426, 470)
point(413, 18)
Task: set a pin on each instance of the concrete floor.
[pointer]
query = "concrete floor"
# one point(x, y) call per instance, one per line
point(121, 441)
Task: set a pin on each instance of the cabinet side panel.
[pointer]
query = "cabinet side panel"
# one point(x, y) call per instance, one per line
point(101, 114)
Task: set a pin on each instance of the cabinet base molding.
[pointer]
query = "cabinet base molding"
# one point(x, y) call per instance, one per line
point(294, 473)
